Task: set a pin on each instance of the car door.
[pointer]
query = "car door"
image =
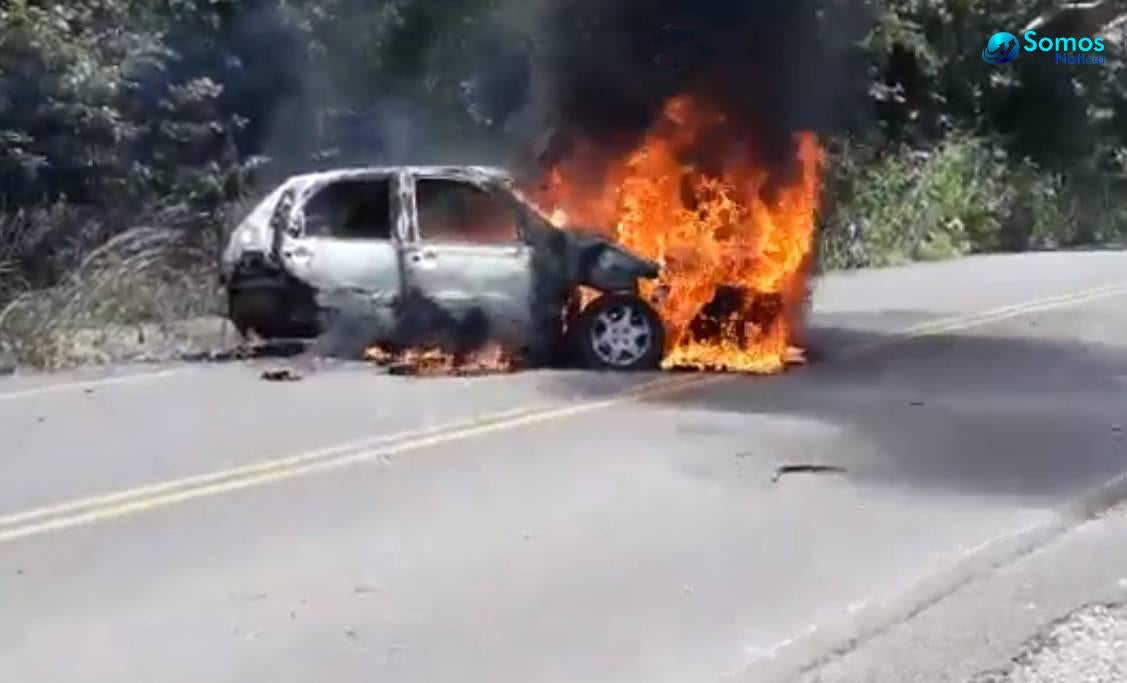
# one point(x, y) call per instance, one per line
point(466, 255)
point(345, 242)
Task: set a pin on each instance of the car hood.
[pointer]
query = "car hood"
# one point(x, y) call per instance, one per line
point(607, 265)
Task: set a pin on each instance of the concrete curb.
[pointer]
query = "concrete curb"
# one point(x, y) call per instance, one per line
point(851, 632)
point(1097, 501)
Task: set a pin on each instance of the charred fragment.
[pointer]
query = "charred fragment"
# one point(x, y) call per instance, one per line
point(784, 470)
point(436, 362)
point(736, 313)
point(281, 375)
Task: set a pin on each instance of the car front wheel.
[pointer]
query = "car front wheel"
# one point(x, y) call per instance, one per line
point(619, 332)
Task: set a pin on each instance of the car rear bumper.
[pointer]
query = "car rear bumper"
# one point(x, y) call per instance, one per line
point(263, 298)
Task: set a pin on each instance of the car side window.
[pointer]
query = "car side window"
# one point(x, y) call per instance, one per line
point(453, 211)
point(351, 209)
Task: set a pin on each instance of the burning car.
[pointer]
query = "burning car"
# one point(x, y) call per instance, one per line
point(453, 257)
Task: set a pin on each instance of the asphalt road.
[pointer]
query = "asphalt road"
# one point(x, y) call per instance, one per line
point(197, 524)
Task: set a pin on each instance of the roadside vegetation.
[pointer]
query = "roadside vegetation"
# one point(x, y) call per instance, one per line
point(133, 133)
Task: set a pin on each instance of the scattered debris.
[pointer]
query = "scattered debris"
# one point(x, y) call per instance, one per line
point(248, 597)
point(270, 349)
point(411, 370)
point(88, 391)
point(795, 356)
point(393, 650)
point(916, 403)
point(783, 470)
point(248, 634)
point(434, 362)
point(282, 375)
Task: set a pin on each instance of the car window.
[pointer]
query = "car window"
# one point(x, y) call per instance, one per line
point(351, 209)
point(454, 211)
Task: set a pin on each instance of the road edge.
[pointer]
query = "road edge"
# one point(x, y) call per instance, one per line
point(824, 642)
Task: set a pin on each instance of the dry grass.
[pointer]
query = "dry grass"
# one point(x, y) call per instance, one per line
point(124, 298)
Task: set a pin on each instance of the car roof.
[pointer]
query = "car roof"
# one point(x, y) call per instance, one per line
point(472, 173)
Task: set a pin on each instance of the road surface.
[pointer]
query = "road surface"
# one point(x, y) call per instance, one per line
point(196, 524)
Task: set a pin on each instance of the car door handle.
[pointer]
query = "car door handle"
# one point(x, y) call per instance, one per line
point(300, 255)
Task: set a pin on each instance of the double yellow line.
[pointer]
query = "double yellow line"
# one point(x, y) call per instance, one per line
point(963, 322)
point(132, 501)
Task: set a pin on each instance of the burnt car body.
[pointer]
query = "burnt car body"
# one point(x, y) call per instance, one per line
point(425, 255)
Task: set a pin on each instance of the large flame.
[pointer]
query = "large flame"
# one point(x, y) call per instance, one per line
point(734, 250)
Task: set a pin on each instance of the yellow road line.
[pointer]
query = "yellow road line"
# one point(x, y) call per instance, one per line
point(249, 470)
point(124, 503)
point(131, 501)
point(963, 322)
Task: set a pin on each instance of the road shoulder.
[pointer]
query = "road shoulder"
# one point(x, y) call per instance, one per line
point(978, 631)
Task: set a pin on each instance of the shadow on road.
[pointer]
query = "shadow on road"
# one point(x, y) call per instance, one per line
point(1010, 416)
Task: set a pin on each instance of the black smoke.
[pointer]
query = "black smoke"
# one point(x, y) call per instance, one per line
point(524, 78)
point(773, 67)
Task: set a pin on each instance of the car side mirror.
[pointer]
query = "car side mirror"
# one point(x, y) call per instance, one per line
point(284, 220)
point(280, 219)
point(296, 225)
point(522, 224)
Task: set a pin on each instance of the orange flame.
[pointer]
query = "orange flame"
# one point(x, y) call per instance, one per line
point(715, 232)
point(433, 361)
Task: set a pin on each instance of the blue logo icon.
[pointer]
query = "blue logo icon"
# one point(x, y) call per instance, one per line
point(1001, 48)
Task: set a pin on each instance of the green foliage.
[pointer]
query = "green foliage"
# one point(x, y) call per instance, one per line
point(908, 205)
point(965, 157)
point(965, 195)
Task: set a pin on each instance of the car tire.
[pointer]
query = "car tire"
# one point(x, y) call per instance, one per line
point(618, 332)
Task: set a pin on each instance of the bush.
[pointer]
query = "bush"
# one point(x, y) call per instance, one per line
point(965, 196)
point(142, 278)
point(914, 205)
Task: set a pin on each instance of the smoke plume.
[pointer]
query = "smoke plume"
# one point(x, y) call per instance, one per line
point(533, 75)
point(772, 67)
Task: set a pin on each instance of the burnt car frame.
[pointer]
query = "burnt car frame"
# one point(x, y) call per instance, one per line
point(448, 256)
